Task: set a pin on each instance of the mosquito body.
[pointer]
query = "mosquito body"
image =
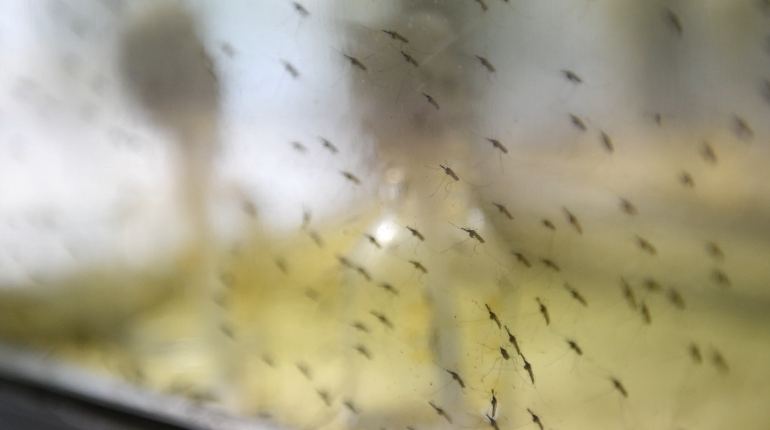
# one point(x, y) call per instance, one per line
point(619, 386)
point(513, 341)
point(290, 69)
point(674, 21)
point(708, 153)
point(628, 207)
point(432, 101)
point(300, 9)
point(528, 368)
point(496, 143)
point(645, 245)
point(574, 346)
point(328, 145)
point(409, 59)
point(607, 142)
point(416, 233)
point(573, 220)
point(536, 419)
point(676, 298)
point(544, 311)
point(578, 123)
point(576, 294)
point(373, 240)
point(396, 36)
point(628, 293)
point(493, 316)
point(503, 210)
point(351, 177)
point(487, 64)
point(417, 265)
point(383, 319)
point(550, 264)
point(687, 180)
point(457, 378)
point(522, 259)
point(549, 225)
point(441, 412)
point(572, 76)
point(363, 351)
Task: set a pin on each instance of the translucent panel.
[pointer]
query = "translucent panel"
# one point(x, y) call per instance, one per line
point(395, 214)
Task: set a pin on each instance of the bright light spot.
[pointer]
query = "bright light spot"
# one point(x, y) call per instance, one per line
point(386, 232)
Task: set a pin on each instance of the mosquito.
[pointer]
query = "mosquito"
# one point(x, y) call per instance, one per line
point(351, 177)
point(628, 207)
point(536, 419)
point(417, 265)
point(389, 288)
point(496, 143)
point(325, 396)
point(383, 319)
point(707, 151)
point(449, 172)
point(488, 65)
point(473, 234)
point(628, 293)
point(290, 69)
point(645, 311)
point(300, 9)
point(721, 278)
point(512, 340)
point(646, 245)
point(395, 36)
point(574, 346)
point(483, 5)
point(676, 299)
point(577, 122)
point(416, 233)
point(715, 250)
point(719, 362)
point(573, 220)
point(674, 21)
point(456, 377)
point(687, 180)
point(299, 147)
point(349, 404)
point(544, 311)
point(742, 128)
point(493, 316)
point(503, 210)
point(619, 386)
point(652, 285)
point(432, 101)
point(362, 349)
point(328, 145)
point(528, 368)
point(576, 294)
point(363, 272)
point(572, 76)
point(522, 259)
point(697, 357)
point(441, 412)
point(409, 59)
point(373, 240)
point(607, 142)
point(550, 264)
point(549, 225)
point(494, 404)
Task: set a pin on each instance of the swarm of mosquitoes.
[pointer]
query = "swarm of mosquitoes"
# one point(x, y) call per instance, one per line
point(512, 351)
point(637, 298)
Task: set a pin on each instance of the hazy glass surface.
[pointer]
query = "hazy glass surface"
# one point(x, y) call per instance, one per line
point(340, 213)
